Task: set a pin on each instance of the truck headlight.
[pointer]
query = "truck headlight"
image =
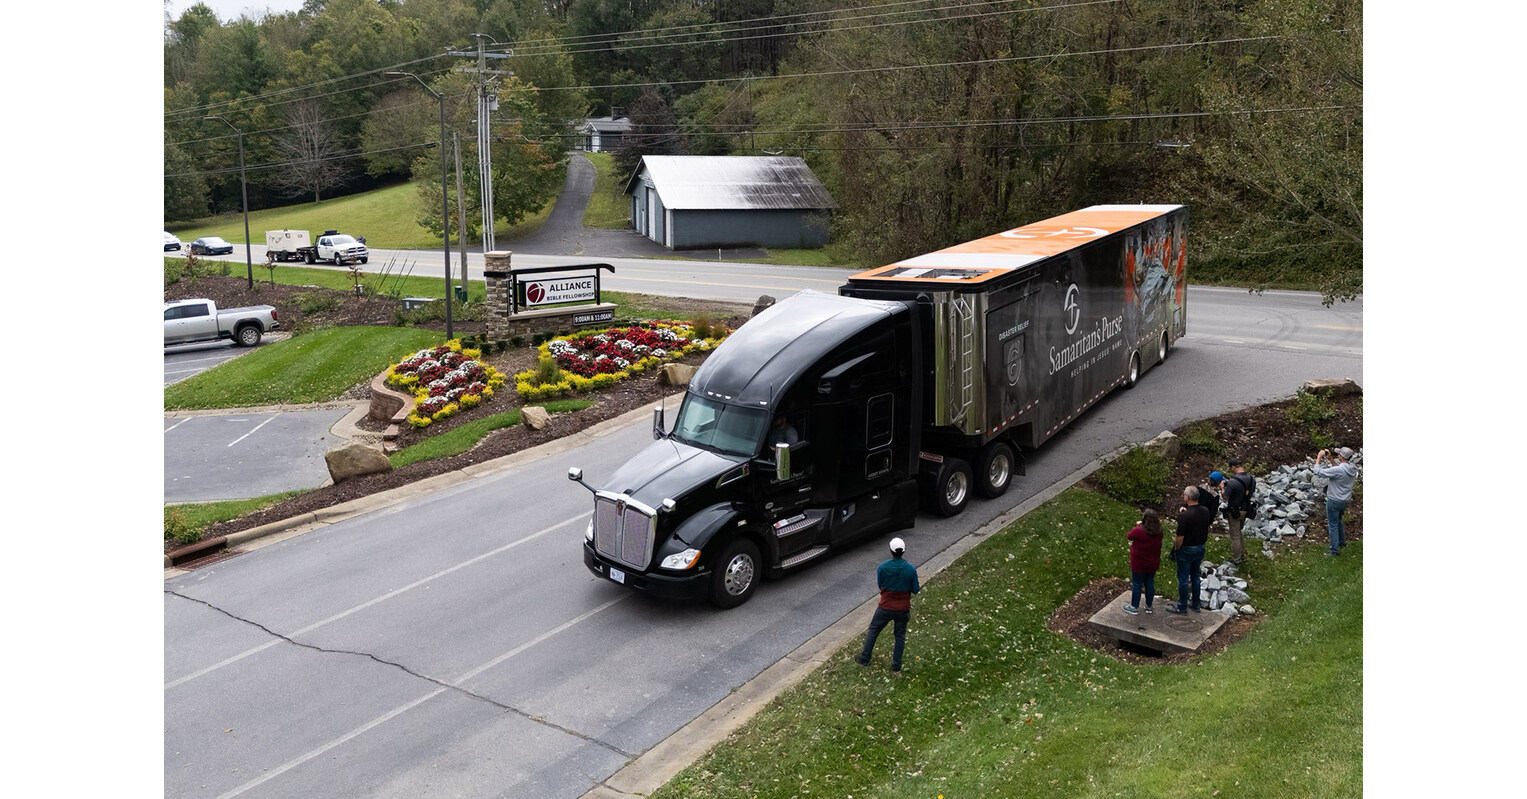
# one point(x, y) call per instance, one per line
point(588, 535)
point(682, 560)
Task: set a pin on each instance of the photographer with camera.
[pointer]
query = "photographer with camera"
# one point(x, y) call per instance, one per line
point(1238, 506)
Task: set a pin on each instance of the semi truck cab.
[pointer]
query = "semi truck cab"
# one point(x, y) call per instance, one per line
point(797, 439)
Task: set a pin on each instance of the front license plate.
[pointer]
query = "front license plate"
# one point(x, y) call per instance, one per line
point(617, 575)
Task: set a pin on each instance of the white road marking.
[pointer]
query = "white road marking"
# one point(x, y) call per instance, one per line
point(369, 603)
point(1292, 347)
point(179, 371)
point(401, 709)
point(252, 432)
point(199, 360)
point(177, 424)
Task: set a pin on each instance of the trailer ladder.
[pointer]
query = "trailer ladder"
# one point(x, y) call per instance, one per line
point(965, 318)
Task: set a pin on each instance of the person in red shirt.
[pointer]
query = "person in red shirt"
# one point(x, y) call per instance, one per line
point(1144, 560)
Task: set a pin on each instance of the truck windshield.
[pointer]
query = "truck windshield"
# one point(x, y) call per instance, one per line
point(714, 425)
point(341, 241)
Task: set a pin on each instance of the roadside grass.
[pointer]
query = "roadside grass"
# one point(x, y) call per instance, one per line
point(314, 367)
point(465, 437)
point(994, 704)
point(185, 522)
point(400, 281)
point(831, 255)
point(609, 207)
point(387, 217)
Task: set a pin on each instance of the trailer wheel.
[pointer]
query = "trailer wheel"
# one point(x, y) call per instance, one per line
point(309, 257)
point(994, 470)
point(951, 488)
point(247, 336)
point(735, 574)
point(1133, 376)
point(1164, 345)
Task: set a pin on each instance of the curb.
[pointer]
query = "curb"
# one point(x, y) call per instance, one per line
point(312, 520)
point(654, 768)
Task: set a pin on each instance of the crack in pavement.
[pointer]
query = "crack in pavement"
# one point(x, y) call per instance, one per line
point(406, 670)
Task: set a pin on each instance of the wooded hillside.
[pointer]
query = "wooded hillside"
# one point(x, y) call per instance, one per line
point(930, 122)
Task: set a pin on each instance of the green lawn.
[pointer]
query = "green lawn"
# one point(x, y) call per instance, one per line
point(386, 217)
point(187, 521)
point(991, 703)
point(313, 367)
point(466, 436)
point(610, 207)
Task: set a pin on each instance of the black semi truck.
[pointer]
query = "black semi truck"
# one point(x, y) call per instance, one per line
point(828, 419)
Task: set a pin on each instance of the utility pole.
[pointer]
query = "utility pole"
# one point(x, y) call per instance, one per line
point(487, 102)
point(461, 212)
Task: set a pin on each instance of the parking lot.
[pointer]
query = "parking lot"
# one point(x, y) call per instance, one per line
point(245, 455)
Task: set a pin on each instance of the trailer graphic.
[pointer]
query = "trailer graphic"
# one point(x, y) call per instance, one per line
point(919, 383)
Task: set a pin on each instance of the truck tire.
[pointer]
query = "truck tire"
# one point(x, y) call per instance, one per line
point(365, 258)
point(310, 257)
point(951, 488)
point(735, 574)
point(1165, 344)
point(247, 336)
point(1132, 376)
point(994, 469)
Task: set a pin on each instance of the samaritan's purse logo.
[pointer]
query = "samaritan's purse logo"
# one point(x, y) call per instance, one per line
point(1073, 309)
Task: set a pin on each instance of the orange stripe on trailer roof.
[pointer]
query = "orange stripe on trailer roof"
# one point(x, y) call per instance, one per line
point(1031, 242)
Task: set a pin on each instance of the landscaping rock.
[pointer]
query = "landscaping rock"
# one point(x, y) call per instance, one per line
point(1236, 595)
point(1229, 609)
point(675, 374)
point(1247, 610)
point(355, 460)
point(1331, 388)
point(764, 301)
point(535, 417)
point(1167, 445)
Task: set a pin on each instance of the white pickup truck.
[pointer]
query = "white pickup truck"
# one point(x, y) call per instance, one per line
point(186, 321)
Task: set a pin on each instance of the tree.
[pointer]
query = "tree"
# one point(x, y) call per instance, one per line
point(185, 190)
point(310, 154)
point(654, 131)
point(400, 120)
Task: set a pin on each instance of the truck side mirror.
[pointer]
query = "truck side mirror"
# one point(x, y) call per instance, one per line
point(575, 474)
point(657, 423)
point(782, 461)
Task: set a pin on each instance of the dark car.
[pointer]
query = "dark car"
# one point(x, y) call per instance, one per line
point(211, 245)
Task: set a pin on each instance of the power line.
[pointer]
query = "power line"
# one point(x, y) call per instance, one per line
point(619, 45)
point(275, 164)
point(203, 109)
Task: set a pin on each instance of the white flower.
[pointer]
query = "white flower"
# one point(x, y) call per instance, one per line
point(660, 353)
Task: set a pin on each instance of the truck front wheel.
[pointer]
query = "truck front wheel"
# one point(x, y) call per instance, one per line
point(309, 257)
point(735, 574)
point(994, 470)
point(951, 488)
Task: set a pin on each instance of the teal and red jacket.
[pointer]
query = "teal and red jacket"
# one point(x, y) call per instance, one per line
point(898, 582)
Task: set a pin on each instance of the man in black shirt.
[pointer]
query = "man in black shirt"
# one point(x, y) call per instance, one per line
point(1238, 490)
point(1192, 533)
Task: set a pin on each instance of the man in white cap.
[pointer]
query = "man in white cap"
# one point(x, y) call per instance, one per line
point(1341, 476)
point(898, 582)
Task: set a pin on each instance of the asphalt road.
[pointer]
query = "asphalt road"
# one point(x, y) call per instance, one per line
point(455, 644)
point(187, 360)
point(244, 455)
point(709, 280)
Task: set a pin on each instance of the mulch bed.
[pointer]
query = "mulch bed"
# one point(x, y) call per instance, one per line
point(1263, 438)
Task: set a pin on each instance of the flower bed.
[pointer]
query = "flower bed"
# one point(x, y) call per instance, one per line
point(443, 380)
point(601, 357)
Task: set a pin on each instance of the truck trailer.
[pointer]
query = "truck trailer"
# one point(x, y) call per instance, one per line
point(828, 419)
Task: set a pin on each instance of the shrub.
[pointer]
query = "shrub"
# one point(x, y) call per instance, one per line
point(174, 269)
point(1138, 477)
point(703, 326)
point(546, 372)
point(313, 302)
point(178, 529)
point(1313, 411)
point(1204, 439)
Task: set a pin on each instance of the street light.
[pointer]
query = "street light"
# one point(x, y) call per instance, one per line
point(244, 190)
point(445, 212)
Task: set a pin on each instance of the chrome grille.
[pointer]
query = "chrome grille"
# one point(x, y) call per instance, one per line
point(623, 530)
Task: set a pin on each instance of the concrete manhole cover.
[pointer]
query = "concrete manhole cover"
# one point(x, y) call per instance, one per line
point(1186, 625)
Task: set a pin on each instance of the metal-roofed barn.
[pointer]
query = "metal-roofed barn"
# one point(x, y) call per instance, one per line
point(698, 201)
